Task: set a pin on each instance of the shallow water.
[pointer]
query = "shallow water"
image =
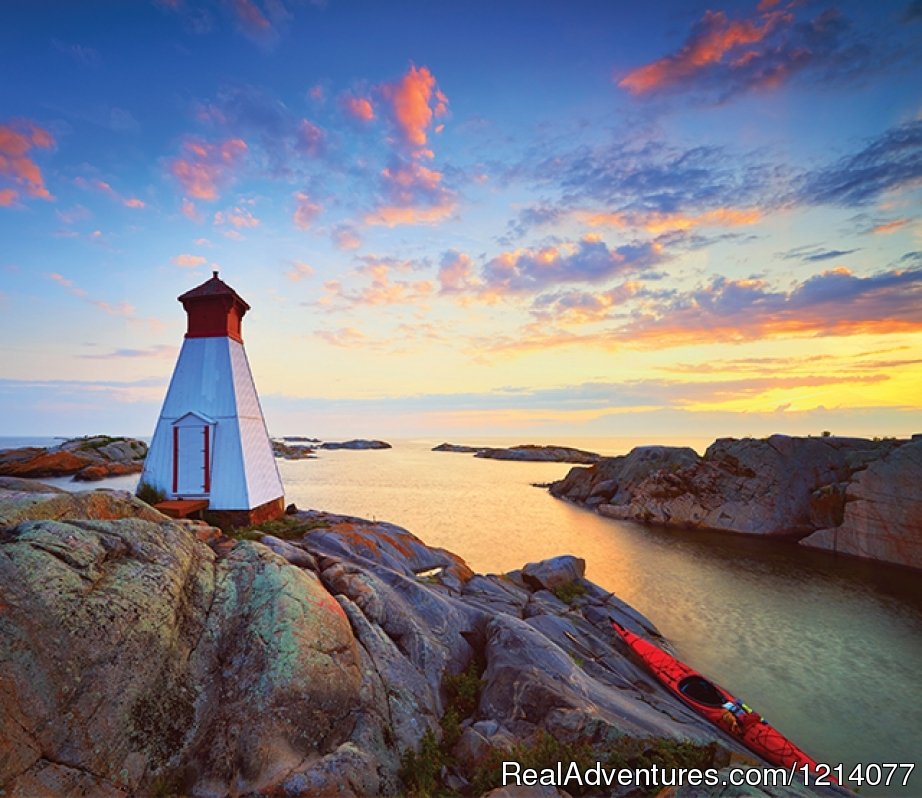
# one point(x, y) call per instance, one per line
point(827, 648)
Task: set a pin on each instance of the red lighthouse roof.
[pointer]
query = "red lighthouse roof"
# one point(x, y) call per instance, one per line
point(214, 309)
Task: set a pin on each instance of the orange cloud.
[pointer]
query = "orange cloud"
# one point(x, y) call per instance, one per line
point(189, 261)
point(382, 289)
point(415, 100)
point(393, 216)
point(656, 223)
point(579, 307)
point(205, 167)
point(359, 108)
point(17, 139)
point(890, 227)
point(305, 210)
point(413, 194)
point(299, 271)
point(344, 336)
point(714, 38)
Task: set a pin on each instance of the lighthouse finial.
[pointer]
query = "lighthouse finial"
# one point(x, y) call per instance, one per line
point(215, 274)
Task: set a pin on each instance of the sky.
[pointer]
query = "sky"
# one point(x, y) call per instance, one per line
point(457, 219)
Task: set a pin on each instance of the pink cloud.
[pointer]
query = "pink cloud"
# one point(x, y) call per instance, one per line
point(102, 186)
point(414, 101)
point(456, 273)
point(69, 285)
point(344, 336)
point(204, 167)
point(412, 193)
point(123, 309)
point(250, 16)
point(382, 290)
point(311, 138)
point(189, 261)
point(238, 217)
point(190, 211)
point(306, 210)
point(359, 108)
point(299, 271)
point(17, 140)
point(346, 237)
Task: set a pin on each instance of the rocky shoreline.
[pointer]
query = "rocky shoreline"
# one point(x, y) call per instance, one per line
point(86, 459)
point(848, 495)
point(317, 655)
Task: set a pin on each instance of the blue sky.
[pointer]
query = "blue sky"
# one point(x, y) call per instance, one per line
point(468, 218)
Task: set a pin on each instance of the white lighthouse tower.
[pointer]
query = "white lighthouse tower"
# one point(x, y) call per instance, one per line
point(211, 443)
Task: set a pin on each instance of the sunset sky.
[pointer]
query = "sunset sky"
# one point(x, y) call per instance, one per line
point(454, 219)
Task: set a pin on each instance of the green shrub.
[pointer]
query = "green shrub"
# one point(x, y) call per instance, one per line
point(420, 769)
point(544, 751)
point(566, 593)
point(463, 690)
point(98, 441)
point(287, 528)
point(149, 493)
point(665, 752)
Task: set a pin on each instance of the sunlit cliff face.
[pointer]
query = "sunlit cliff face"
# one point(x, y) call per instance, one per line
point(470, 219)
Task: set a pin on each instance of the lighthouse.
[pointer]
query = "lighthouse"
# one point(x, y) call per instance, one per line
point(211, 449)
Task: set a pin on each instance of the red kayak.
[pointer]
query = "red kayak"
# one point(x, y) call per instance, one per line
point(717, 705)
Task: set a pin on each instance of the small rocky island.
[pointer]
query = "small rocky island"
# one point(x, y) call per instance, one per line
point(315, 655)
point(292, 451)
point(525, 452)
point(359, 443)
point(849, 495)
point(290, 448)
point(85, 459)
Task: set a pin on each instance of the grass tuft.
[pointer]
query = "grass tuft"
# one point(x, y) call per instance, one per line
point(287, 528)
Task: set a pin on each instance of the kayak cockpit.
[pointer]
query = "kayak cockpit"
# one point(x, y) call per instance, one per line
point(700, 690)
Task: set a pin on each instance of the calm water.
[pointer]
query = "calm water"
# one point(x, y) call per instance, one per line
point(827, 648)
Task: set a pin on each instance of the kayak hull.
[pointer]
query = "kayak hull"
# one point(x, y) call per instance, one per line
point(758, 736)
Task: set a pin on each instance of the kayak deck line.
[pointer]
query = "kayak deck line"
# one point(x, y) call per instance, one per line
point(716, 704)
